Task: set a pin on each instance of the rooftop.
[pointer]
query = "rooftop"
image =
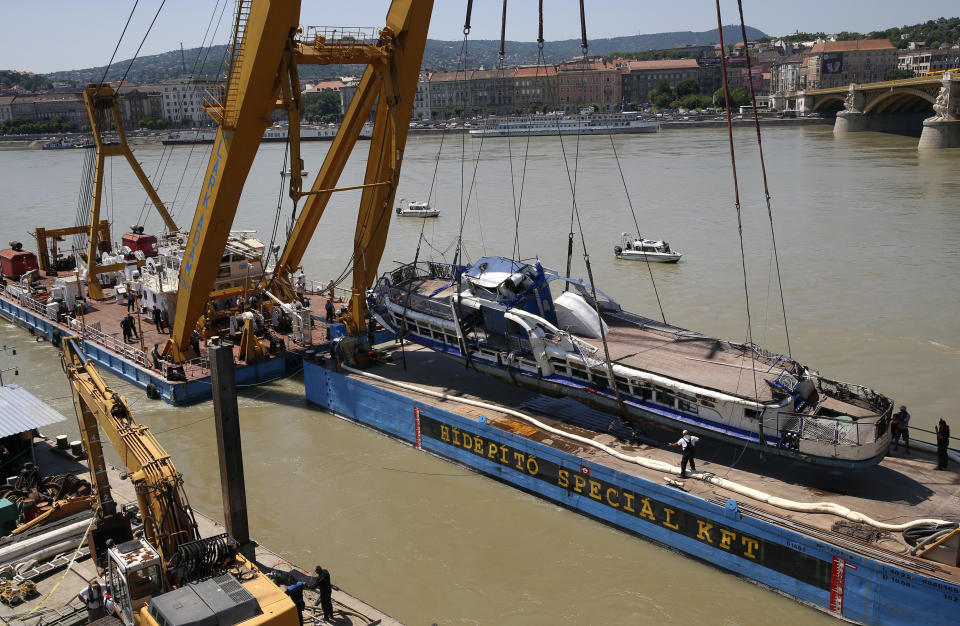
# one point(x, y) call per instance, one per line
point(852, 46)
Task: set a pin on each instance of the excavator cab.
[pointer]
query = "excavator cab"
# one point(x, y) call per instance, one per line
point(135, 576)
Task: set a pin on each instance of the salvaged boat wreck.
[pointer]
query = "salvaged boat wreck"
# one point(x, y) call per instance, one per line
point(531, 327)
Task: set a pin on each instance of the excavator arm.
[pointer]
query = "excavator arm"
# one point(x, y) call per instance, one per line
point(262, 78)
point(167, 517)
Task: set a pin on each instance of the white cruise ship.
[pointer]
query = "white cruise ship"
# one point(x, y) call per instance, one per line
point(540, 125)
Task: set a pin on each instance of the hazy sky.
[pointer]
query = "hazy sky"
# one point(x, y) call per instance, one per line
point(50, 35)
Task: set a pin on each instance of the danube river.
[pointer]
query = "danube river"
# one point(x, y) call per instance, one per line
point(868, 232)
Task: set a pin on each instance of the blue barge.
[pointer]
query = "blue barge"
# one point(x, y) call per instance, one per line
point(799, 555)
point(126, 366)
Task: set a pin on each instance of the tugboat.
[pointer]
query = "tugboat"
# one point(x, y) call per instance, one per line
point(503, 319)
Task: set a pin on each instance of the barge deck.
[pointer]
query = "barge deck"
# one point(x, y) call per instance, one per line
point(814, 558)
point(99, 326)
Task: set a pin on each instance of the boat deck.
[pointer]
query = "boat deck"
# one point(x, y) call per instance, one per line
point(56, 597)
point(688, 357)
point(901, 488)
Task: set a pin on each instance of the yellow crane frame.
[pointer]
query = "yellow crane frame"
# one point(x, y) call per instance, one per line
point(101, 98)
point(263, 77)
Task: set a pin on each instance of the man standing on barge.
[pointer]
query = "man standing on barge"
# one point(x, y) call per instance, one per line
point(899, 427)
point(943, 444)
point(688, 443)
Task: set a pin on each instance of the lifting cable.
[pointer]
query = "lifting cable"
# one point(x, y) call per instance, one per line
point(636, 224)
point(462, 64)
point(763, 170)
point(458, 255)
point(513, 185)
point(541, 64)
point(575, 214)
point(142, 41)
point(276, 218)
point(147, 203)
point(117, 47)
point(736, 196)
point(209, 46)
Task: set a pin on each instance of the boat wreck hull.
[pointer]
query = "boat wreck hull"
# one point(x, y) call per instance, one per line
point(639, 414)
point(807, 568)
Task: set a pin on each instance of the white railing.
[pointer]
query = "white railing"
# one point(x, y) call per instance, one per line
point(94, 334)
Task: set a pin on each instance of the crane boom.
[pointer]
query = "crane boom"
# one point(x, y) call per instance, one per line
point(243, 116)
point(263, 77)
point(101, 103)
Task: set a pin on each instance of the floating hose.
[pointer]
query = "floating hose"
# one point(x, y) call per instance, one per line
point(829, 508)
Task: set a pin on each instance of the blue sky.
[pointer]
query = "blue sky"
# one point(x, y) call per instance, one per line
point(49, 35)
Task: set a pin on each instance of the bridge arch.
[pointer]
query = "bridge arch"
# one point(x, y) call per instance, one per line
point(835, 100)
point(900, 100)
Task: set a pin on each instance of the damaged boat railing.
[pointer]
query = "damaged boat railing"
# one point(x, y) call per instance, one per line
point(792, 427)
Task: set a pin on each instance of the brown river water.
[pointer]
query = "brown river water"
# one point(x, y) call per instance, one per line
point(868, 233)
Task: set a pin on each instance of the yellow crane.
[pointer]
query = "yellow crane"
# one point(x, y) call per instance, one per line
point(157, 579)
point(101, 103)
point(267, 49)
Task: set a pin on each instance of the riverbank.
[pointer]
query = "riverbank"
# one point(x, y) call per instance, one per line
point(34, 142)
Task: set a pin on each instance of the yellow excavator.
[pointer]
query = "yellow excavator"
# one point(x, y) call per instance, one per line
point(268, 45)
point(169, 576)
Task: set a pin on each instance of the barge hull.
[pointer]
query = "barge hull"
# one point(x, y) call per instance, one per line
point(846, 583)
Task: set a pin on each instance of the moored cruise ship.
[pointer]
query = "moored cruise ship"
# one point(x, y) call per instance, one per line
point(546, 125)
point(276, 133)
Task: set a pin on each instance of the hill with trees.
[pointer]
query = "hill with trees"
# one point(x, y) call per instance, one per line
point(438, 54)
point(934, 32)
point(25, 81)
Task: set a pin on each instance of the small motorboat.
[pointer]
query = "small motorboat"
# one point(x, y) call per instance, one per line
point(303, 173)
point(640, 249)
point(416, 209)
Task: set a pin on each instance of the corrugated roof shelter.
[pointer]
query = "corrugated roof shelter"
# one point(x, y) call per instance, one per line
point(21, 411)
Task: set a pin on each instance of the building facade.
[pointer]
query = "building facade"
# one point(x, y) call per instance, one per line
point(921, 62)
point(639, 78)
point(183, 99)
point(535, 88)
point(839, 63)
point(589, 82)
point(137, 103)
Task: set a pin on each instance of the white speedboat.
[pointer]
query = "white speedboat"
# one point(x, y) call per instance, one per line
point(416, 209)
point(640, 249)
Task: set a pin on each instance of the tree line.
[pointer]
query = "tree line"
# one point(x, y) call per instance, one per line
point(27, 126)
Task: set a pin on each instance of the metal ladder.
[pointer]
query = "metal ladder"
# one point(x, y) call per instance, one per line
point(240, 17)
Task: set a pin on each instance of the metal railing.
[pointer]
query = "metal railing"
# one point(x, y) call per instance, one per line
point(828, 430)
point(340, 35)
point(94, 334)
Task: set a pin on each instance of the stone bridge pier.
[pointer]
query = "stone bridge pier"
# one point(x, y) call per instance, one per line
point(893, 108)
point(943, 129)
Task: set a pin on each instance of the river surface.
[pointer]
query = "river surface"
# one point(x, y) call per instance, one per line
point(868, 234)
